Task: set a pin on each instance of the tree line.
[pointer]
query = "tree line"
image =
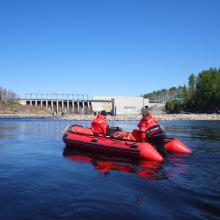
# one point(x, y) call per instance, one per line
point(164, 95)
point(7, 96)
point(202, 95)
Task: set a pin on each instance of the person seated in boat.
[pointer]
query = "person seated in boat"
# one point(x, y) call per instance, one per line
point(99, 124)
point(147, 121)
point(149, 130)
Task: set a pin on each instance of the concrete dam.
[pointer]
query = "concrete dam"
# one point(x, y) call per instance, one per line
point(66, 103)
point(84, 104)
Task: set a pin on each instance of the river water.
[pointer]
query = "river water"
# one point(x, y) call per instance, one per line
point(41, 179)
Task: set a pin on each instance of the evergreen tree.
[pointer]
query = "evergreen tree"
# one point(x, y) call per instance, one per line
point(202, 94)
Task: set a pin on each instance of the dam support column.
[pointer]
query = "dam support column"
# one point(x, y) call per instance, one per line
point(57, 109)
point(68, 106)
point(77, 106)
point(72, 107)
point(83, 107)
point(62, 106)
point(51, 106)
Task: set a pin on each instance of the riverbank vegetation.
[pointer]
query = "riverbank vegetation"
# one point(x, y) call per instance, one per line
point(7, 96)
point(164, 95)
point(9, 105)
point(201, 96)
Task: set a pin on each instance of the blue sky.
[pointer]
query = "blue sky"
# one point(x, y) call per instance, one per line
point(106, 47)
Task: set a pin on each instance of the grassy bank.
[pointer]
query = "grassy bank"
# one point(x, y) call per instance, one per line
point(18, 109)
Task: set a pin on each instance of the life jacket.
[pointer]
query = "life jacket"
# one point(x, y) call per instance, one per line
point(146, 123)
point(99, 125)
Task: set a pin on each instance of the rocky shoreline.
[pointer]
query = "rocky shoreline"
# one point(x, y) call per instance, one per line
point(166, 117)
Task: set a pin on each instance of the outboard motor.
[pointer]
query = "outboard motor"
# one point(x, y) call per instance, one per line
point(155, 136)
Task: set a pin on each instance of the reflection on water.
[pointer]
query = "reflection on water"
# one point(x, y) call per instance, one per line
point(106, 164)
point(4, 131)
point(194, 130)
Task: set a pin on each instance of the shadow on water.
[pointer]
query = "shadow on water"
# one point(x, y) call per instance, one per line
point(148, 170)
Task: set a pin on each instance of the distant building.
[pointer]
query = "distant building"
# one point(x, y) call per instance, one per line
point(119, 105)
point(100, 103)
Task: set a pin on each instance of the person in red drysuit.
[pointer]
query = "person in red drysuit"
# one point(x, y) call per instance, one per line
point(99, 124)
point(147, 121)
point(150, 131)
point(144, 124)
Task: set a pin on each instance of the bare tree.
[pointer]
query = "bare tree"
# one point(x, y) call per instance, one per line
point(7, 96)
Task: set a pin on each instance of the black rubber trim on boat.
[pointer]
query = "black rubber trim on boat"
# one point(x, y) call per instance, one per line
point(133, 146)
point(94, 140)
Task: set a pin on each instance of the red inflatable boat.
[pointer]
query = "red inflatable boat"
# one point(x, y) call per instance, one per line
point(83, 138)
